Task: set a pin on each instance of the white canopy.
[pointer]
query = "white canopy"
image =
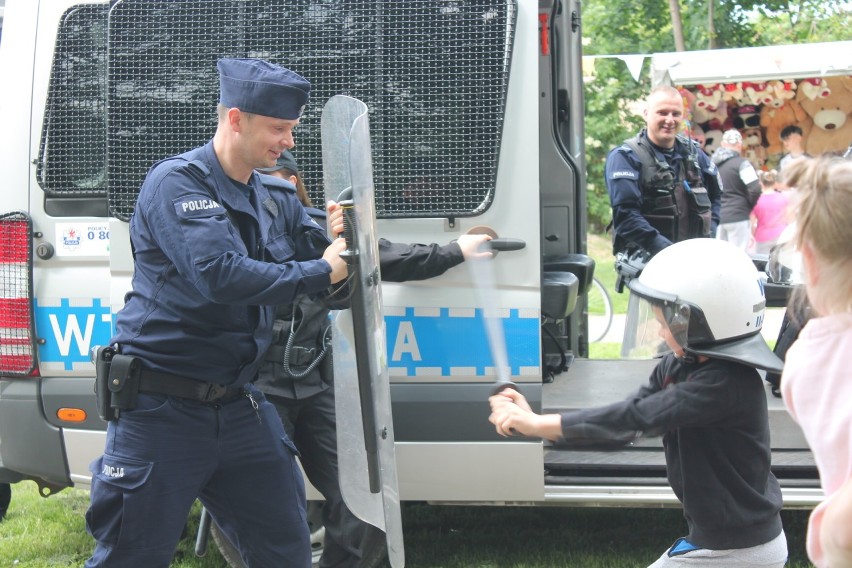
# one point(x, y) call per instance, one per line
point(752, 63)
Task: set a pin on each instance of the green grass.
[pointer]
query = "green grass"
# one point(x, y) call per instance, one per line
point(600, 249)
point(42, 533)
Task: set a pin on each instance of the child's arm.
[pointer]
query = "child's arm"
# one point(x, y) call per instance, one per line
point(836, 530)
point(511, 414)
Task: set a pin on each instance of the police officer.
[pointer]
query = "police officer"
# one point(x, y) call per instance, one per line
point(214, 253)
point(662, 186)
point(297, 376)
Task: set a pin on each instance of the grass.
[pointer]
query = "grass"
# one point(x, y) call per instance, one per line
point(48, 533)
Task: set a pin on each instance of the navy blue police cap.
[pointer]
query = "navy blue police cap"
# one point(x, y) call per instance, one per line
point(285, 161)
point(259, 87)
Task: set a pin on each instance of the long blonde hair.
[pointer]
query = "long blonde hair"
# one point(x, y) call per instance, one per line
point(824, 223)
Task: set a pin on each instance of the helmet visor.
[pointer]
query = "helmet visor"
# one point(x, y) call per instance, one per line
point(655, 327)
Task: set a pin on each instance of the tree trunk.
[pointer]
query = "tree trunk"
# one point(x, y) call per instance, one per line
point(677, 25)
point(713, 42)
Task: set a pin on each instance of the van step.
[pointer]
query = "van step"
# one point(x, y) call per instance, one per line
point(570, 466)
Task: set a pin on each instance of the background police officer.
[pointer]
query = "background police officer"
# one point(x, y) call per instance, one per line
point(662, 187)
point(214, 253)
point(297, 376)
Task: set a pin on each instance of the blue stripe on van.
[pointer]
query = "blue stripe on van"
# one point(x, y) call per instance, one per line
point(446, 341)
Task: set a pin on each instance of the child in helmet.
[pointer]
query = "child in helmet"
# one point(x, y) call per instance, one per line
point(816, 385)
point(699, 305)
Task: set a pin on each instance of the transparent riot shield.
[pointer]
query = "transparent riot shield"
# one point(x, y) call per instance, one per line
point(365, 440)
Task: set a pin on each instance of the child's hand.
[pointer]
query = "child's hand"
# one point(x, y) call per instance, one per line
point(511, 415)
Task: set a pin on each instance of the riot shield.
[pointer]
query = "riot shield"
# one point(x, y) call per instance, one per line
point(365, 440)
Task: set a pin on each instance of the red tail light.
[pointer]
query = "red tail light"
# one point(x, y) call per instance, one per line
point(17, 345)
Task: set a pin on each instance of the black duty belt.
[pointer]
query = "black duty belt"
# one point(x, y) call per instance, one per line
point(182, 387)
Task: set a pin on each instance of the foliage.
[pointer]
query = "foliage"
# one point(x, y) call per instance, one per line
point(613, 27)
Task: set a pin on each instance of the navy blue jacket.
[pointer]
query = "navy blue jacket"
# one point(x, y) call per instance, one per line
point(212, 259)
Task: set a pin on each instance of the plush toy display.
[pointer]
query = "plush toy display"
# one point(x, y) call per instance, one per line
point(814, 88)
point(774, 120)
point(688, 106)
point(712, 139)
point(712, 117)
point(746, 116)
point(753, 149)
point(832, 123)
point(733, 92)
point(758, 92)
point(708, 97)
point(784, 91)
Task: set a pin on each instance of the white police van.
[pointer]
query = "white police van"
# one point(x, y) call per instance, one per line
point(476, 119)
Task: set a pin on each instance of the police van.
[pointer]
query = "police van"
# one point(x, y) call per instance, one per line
point(476, 121)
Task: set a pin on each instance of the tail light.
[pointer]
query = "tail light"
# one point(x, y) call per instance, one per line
point(17, 346)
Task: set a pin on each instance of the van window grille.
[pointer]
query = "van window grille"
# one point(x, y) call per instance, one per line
point(72, 152)
point(434, 75)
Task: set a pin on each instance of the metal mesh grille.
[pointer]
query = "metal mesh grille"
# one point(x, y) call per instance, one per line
point(16, 318)
point(72, 153)
point(433, 73)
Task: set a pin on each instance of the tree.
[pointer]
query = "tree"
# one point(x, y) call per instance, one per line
point(677, 24)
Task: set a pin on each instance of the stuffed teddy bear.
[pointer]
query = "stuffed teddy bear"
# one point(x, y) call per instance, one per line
point(783, 90)
point(758, 92)
point(832, 123)
point(753, 149)
point(814, 88)
point(708, 96)
point(712, 117)
point(712, 139)
point(746, 116)
point(733, 92)
point(774, 120)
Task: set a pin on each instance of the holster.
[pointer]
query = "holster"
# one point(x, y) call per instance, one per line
point(123, 383)
point(102, 358)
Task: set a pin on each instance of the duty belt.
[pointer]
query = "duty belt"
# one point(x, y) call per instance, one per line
point(182, 387)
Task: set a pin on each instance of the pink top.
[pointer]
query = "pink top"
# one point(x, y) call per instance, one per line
point(771, 213)
point(817, 387)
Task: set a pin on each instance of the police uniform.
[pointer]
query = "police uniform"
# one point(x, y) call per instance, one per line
point(297, 378)
point(213, 256)
point(646, 215)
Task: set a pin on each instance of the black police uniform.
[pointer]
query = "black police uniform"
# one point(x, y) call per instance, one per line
point(213, 257)
point(657, 194)
point(298, 379)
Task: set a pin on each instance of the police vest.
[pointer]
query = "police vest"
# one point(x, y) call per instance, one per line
point(674, 203)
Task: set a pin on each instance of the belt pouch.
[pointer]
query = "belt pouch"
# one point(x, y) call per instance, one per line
point(103, 361)
point(124, 375)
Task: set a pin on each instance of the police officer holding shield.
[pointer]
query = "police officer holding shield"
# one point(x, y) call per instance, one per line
point(662, 186)
point(214, 253)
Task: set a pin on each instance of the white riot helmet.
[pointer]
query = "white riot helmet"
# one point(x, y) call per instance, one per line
point(707, 296)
